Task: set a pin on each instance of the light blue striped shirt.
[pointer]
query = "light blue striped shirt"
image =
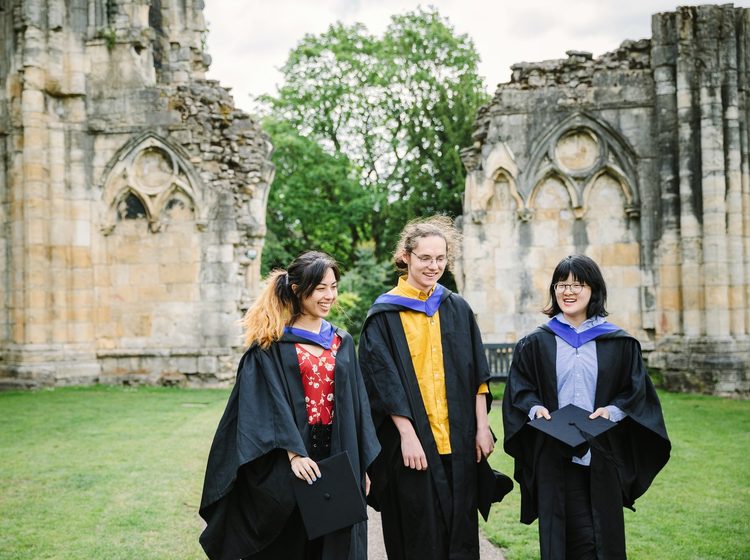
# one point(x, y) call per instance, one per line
point(577, 370)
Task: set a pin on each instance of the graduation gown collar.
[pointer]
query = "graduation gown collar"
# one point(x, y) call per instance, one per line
point(578, 339)
point(324, 338)
point(429, 306)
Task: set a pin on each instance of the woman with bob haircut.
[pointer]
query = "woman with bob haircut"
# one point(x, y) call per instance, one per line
point(298, 398)
point(580, 358)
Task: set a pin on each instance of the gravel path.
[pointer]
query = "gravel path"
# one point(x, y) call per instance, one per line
point(376, 550)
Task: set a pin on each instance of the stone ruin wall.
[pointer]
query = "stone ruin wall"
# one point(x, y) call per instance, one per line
point(132, 197)
point(638, 159)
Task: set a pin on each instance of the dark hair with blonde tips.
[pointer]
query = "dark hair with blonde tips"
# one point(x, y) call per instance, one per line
point(439, 226)
point(280, 302)
point(585, 271)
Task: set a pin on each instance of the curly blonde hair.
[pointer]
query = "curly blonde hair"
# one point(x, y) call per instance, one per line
point(439, 226)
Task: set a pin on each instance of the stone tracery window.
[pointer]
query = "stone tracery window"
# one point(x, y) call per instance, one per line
point(577, 151)
point(149, 180)
point(130, 207)
point(580, 151)
point(178, 208)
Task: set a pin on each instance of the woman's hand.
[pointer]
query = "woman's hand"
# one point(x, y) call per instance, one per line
point(367, 484)
point(484, 443)
point(412, 452)
point(543, 413)
point(304, 468)
point(601, 411)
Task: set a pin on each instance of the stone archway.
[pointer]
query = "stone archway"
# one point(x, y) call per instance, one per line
point(148, 265)
point(150, 173)
point(596, 211)
point(576, 192)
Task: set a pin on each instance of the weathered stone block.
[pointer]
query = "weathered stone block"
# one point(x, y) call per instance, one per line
point(208, 364)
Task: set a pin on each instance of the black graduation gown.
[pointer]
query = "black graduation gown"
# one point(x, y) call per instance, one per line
point(247, 493)
point(630, 456)
point(446, 526)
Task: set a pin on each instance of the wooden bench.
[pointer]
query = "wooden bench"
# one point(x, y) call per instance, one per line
point(499, 357)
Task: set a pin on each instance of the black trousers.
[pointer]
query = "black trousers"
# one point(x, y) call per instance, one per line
point(580, 543)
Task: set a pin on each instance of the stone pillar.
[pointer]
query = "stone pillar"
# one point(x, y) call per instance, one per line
point(713, 187)
point(711, 353)
point(690, 227)
point(734, 203)
point(743, 60)
point(668, 293)
point(4, 245)
point(34, 199)
point(52, 336)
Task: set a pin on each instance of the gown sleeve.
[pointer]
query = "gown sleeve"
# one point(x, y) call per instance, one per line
point(246, 493)
point(380, 372)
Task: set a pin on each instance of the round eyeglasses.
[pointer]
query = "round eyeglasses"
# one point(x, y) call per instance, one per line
point(427, 260)
point(575, 287)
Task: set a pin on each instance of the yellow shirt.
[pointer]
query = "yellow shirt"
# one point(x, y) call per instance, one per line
point(426, 350)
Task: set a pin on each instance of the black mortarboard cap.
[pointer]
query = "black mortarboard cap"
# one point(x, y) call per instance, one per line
point(332, 502)
point(492, 487)
point(572, 426)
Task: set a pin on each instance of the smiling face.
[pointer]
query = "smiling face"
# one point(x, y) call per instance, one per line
point(426, 262)
point(318, 304)
point(573, 306)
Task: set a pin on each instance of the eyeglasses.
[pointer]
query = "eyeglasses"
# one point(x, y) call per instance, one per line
point(428, 260)
point(562, 287)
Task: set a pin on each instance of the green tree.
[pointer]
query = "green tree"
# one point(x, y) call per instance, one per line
point(433, 92)
point(398, 108)
point(358, 288)
point(305, 203)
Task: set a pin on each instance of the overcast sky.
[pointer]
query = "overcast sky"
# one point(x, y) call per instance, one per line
point(249, 40)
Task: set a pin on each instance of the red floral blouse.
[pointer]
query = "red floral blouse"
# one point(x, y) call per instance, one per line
point(317, 380)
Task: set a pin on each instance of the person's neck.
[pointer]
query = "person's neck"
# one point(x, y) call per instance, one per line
point(575, 321)
point(308, 323)
point(414, 284)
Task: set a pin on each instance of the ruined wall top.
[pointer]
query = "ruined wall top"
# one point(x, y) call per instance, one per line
point(154, 41)
point(580, 67)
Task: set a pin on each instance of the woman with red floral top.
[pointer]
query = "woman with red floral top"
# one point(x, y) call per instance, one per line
point(298, 398)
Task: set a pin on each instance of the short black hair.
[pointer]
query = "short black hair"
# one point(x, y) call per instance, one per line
point(585, 271)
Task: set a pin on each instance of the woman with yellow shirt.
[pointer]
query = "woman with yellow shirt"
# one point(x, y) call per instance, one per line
point(425, 371)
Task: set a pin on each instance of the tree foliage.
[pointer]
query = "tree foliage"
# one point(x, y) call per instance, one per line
point(305, 202)
point(367, 132)
point(358, 288)
point(391, 113)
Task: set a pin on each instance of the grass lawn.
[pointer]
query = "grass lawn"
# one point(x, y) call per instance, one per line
point(116, 473)
point(104, 472)
point(698, 506)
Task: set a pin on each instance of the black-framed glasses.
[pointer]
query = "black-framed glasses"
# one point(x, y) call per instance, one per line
point(427, 259)
point(575, 287)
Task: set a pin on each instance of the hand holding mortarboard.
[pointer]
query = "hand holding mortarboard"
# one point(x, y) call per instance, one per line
point(304, 468)
point(572, 427)
point(334, 501)
point(492, 486)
